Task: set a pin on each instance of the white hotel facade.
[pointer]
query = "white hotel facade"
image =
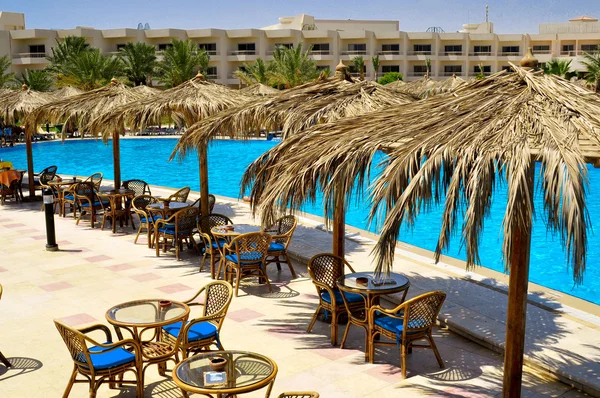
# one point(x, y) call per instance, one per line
point(460, 53)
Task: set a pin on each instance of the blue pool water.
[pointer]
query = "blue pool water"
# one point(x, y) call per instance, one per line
point(147, 159)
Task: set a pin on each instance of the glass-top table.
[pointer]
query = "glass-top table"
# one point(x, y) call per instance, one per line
point(160, 208)
point(372, 286)
point(245, 372)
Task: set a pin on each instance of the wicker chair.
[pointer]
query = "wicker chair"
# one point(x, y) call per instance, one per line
point(212, 246)
point(179, 227)
point(211, 203)
point(299, 394)
point(68, 198)
point(410, 321)
point(245, 256)
point(138, 186)
point(109, 361)
point(358, 315)
point(43, 177)
point(139, 204)
point(13, 188)
point(200, 333)
point(2, 357)
point(324, 270)
point(95, 179)
point(282, 232)
point(88, 202)
point(180, 196)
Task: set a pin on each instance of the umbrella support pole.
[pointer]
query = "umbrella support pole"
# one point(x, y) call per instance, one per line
point(339, 224)
point(203, 160)
point(30, 172)
point(516, 317)
point(117, 159)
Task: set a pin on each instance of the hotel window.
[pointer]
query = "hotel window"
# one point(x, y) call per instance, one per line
point(248, 48)
point(210, 48)
point(37, 49)
point(453, 49)
point(511, 49)
point(507, 67)
point(163, 47)
point(589, 48)
point(420, 69)
point(541, 49)
point(211, 71)
point(120, 46)
point(390, 48)
point(568, 47)
point(286, 45)
point(452, 69)
point(357, 48)
point(390, 68)
point(320, 48)
point(482, 49)
point(486, 69)
point(422, 48)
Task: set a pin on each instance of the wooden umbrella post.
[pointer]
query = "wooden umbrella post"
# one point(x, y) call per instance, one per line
point(29, 150)
point(516, 317)
point(203, 159)
point(117, 158)
point(339, 224)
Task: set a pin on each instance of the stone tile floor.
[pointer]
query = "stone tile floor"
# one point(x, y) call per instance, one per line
point(96, 269)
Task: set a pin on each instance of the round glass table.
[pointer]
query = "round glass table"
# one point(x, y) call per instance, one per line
point(147, 317)
point(372, 286)
point(244, 372)
point(166, 212)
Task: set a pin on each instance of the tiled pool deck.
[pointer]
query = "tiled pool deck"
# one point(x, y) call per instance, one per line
point(95, 270)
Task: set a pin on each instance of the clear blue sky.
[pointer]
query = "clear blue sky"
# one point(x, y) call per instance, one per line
point(509, 16)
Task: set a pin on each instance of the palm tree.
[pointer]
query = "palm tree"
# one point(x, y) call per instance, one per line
point(65, 51)
point(559, 67)
point(359, 66)
point(257, 72)
point(90, 69)
point(428, 66)
point(5, 77)
point(39, 80)
point(375, 62)
point(181, 61)
point(139, 60)
point(292, 67)
point(592, 64)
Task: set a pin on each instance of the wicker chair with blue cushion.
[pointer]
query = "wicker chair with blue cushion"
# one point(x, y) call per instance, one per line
point(139, 204)
point(101, 362)
point(180, 196)
point(88, 202)
point(138, 186)
point(324, 270)
point(282, 232)
point(95, 179)
point(212, 246)
point(410, 321)
point(177, 228)
point(40, 180)
point(245, 256)
point(202, 332)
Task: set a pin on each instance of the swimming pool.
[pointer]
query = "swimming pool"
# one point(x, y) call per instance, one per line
point(147, 159)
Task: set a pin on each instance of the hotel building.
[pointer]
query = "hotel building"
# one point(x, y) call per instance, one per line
point(461, 53)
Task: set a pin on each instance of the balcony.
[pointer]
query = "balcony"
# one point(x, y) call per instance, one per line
point(419, 53)
point(320, 52)
point(29, 58)
point(242, 52)
point(417, 74)
point(572, 53)
point(449, 74)
point(474, 74)
point(542, 52)
point(355, 52)
point(212, 52)
point(449, 53)
point(388, 52)
point(481, 54)
point(510, 54)
point(30, 55)
point(212, 77)
point(355, 75)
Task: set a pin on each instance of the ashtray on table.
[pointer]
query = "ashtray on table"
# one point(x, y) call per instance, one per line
point(164, 304)
point(227, 227)
point(362, 281)
point(215, 378)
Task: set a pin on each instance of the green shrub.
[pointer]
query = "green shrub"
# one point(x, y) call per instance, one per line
point(390, 77)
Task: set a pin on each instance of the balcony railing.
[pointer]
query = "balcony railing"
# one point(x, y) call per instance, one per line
point(320, 52)
point(542, 51)
point(242, 52)
point(212, 77)
point(30, 55)
point(394, 52)
point(419, 53)
point(417, 74)
point(212, 52)
point(481, 54)
point(510, 54)
point(448, 74)
point(355, 52)
point(357, 75)
point(473, 74)
point(447, 53)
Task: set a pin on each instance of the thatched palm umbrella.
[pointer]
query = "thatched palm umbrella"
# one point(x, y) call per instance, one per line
point(450, 149)
point(148, 91)
point(66, 92)
point(417, 88)
point(260, 90)
point(295, 110)
point(81, 109)
point(187, 103)
point(397, 84)
point(16, 105)
point(449, 85)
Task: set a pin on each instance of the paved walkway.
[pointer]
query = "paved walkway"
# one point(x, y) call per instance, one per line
point(97, 269)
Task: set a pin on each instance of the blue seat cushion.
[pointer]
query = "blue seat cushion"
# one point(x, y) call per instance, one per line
point(218, 244)
point(95, 204)
point(393, 325)
point(247, 257)
point(199, 331)
point(276, 247)
point(103, 359)
point(154, 218)
point(167, 228)
point(351, 297)
point(69, 197)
